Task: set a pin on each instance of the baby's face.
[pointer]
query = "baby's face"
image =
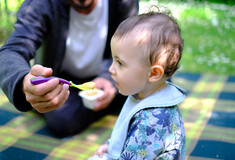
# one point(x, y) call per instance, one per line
point(128, 69)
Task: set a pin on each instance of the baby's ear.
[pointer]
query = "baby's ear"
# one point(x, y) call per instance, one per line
point(156, 73)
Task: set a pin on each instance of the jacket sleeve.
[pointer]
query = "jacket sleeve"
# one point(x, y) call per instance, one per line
point(20, 48)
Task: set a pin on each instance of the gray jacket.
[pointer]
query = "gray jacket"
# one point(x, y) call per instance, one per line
point(46, 22)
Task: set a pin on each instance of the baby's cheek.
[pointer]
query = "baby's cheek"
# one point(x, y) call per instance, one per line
point(127, 90)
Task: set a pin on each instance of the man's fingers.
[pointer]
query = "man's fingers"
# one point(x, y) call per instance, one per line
point(46, 96)
point(38, 93)
point(39, 70)
point(46, 87)
point(55, 102)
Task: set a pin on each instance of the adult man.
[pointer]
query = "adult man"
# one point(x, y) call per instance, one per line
point(69, 42)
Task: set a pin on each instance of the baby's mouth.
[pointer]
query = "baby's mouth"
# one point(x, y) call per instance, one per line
point(117, 85)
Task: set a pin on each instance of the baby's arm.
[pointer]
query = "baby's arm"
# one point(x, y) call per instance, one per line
point(102, 149)
point(143, 141)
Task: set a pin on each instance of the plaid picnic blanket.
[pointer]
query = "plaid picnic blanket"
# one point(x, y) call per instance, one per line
point(208, 113)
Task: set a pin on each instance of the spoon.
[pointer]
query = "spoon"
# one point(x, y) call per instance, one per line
point(84, 86)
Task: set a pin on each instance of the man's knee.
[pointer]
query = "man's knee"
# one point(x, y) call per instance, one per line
point(63, 126)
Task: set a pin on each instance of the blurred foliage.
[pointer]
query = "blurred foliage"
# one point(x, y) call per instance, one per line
point(208, 33)
point(6, 26)
point(229, 2)
point(207, 29)
point(8, 9)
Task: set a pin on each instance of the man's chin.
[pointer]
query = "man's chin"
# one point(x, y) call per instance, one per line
point(84, 6)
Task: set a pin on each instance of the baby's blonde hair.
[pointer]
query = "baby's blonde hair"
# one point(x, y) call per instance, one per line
point(158, 34)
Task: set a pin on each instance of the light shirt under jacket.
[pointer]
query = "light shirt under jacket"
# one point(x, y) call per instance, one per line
point(86, 41)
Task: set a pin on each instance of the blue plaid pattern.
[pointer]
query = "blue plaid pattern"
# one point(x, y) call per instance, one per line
point(208, 113)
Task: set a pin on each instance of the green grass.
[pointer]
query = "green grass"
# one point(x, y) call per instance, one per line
point(209, 38)
point(207, 29)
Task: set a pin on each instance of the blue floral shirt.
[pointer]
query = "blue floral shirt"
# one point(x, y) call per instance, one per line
point(155, 133)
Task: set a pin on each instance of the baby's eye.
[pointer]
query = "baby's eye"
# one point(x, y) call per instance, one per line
point(119, 63)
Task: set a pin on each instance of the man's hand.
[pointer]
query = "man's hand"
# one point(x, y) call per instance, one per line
point(46, 96)
point(109, 93)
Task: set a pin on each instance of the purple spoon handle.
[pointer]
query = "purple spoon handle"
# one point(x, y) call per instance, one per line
point(41, 79)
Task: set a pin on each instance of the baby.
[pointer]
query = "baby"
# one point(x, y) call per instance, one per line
point(146, 51)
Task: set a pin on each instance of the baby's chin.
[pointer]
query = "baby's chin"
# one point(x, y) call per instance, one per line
point(124, 93)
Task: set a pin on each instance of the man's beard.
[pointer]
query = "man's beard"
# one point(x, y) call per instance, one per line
point(82, 5)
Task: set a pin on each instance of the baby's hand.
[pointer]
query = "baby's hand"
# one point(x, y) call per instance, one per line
point(102, 149)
